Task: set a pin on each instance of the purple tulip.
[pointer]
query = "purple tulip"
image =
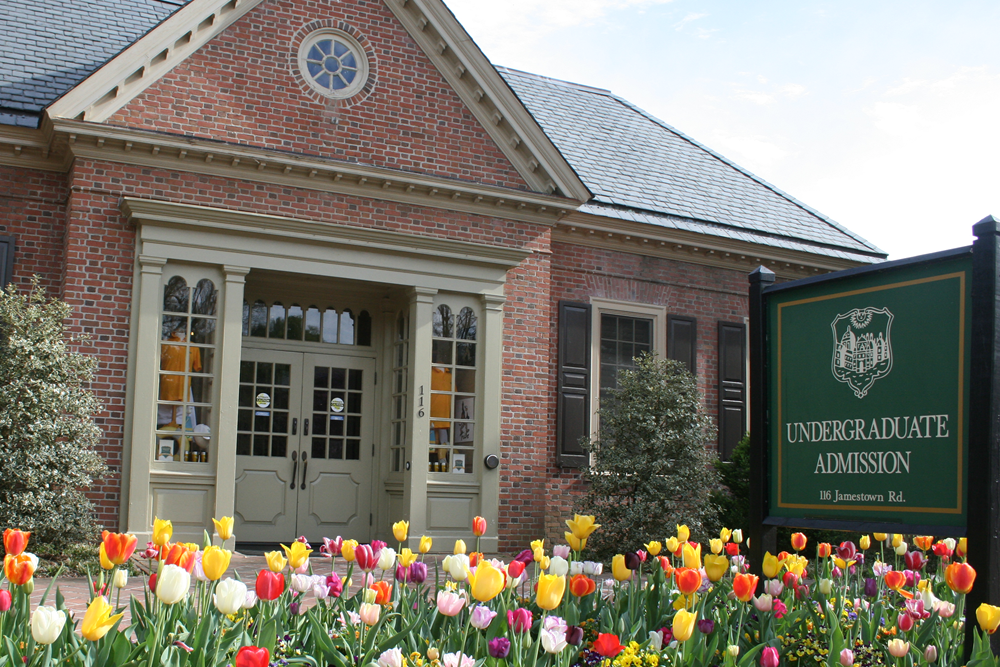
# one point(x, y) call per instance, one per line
point(871, 587)
point(402, 573)
point(574, 635)
point(294, 608)
point(499, 648)
point(418, 573)
point(526, 557)
point(706, 626)
point(378, 545)
point(632, 561)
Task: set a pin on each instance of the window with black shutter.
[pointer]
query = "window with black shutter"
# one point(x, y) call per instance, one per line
point(732, 386)
point(682, 334)
point(6, 260)
point(573, 411)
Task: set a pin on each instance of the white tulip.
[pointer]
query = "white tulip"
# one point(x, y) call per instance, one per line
point(230, 596)
point(763, 602)
point(47, 624)
point(121, 578)
point(386, 559)
point(391, 658)
point(553, 641)
point(592, 569)
point(457, 565)
point(901, 549)
point(558, 566)
point(301, 583)
point(826, 586)
point(575, 568)
point(251, 599)
point(656, 640)
point(173, 584)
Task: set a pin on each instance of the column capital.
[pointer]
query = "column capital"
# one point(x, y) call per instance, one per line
point(493, 301)
point(423, 294)
point(152, 265)
point(235, 274)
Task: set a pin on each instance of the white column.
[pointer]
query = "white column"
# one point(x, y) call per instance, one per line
point(491, 379)
point(230, 351)
point(146, 384)
point(415, 484)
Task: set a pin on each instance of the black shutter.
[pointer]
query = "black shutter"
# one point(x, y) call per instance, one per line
point(682, 336)
point(573, 411)
point(732, 386)
point(6, 260)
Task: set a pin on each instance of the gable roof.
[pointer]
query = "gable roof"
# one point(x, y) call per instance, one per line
point(641, 169)
point(47, 48)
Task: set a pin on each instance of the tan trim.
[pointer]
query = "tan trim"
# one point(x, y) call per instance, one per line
point(136, 68)
point(488, 97)
point(652, 241)
point(172, 214)
point(30, 148)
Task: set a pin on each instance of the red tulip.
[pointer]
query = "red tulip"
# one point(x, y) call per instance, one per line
point(790, 579)
point(960, 577)
point(366, 557)
point(744, 586)
point(941, 549)
point(252, 656)
point(519, 620)
point(270, 585)
point(581, 584)
point(119, 547)
point(904, 623)
point(152, 583)
point(479, 526)
point(798, 541)
point(515, 568)
point(823, 550)
point(5, 600)
point(608, 645)
point(15, 541)
point(915, 560)
point(688, 580)
point(732, 549)
point(18, 569)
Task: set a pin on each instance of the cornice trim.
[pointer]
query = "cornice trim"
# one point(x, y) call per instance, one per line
point(162, 213)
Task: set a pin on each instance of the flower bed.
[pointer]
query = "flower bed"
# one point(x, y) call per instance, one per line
point(880, 602)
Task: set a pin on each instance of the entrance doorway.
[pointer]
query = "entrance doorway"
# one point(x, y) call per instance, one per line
point(304, 446)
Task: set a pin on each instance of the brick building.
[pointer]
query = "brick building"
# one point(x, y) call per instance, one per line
point(339, 269)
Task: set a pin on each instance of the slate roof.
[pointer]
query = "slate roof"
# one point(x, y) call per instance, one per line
point(49, 46)
point(639, 168)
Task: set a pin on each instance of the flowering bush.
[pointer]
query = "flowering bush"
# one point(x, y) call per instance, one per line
point(675, 602)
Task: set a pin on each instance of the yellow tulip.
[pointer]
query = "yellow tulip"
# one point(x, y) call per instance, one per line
point(672, 544)
point(716, 545)
point(683, 533)
point(550, 591)
point(162, 531)
point(224, 527)
point(988, 617)
point(105, 561)
point(692, 556)
point(725, 534)
point(407, 557)
point(715, 567)
point(486, 582)
point(275, 561)
point(298, 554)
point(400, 530)
point(879, 537)
point(544, 563)
point(654, 548)
point(425, 544)
point(347, 550)
point(897, 539)
point(618, 569)
point(537, 544)
point(575, 543)
point(796, 564)
point(98, 619)
point(582, 526)
point(539, 553)
point(459, 547)
point(215, 562)
point(865, 542)
point(683, 625)
point(770, 566)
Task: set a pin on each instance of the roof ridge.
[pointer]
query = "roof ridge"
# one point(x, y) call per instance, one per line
point(805, 207)
point(561, 82)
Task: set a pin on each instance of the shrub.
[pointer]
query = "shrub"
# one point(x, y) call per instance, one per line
point(650, 466)
point(47, 430)
point(734, 500)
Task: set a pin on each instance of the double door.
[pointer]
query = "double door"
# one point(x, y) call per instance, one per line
point(304, 446)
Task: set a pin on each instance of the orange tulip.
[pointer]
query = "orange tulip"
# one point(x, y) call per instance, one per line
point(798, 541)
point(479, 526)
point(181, 556)
point(668, 568)
point(823, 549)
point(923, 542)
point(688, 580)
point(581, 584)
point(383, 592)
point(18, 569)
point(960, 577)
point(896, 580)
point(15, 541)
point(744, 586)
point(119, 547)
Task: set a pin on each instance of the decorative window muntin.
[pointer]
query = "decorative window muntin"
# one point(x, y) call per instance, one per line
point(333, 63)
point(306, 323)
point(622, 339)
point(454, 401)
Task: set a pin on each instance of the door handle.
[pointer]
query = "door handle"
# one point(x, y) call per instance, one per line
point(295, 468)
point(305, 466)
point(305, 431)
point(295, 425)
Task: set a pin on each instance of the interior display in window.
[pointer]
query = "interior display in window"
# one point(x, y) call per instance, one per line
point(453, 387)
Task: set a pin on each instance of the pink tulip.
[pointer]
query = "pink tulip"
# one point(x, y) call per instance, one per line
point(847, 657)
point(369, 613)
point(769, 657)
point(366, 557)
point(519, 620)
point(450, 603)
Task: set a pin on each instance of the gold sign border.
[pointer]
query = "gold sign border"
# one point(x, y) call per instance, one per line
point(961, 394)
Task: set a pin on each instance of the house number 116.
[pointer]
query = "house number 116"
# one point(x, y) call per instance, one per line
point(420, 411)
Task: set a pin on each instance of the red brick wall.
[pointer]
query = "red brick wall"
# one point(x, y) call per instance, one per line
point(33, 210)
point(241, 88)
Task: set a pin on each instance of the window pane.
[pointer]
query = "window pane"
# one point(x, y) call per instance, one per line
point(609, 326)
point(465, 407)
point(644, 331)
point(279, 422)
point(354, 379)
point(354, 426)
point(336, 448)
point(319, 448)
point(246, 396)
point(347, 328)
point(263, 373)
point(330, 326)
point(279, 445)
point(276, 323)
point(175, 296)
point(338, 378)
point(258, 319)
point(174, 328)
point(442, 322)
point(202, 331)
point(319, 423)
point(465, 354)
point(321, 377)
point(246, 371)
point(354, 402)
point(243, 444)
point(441, 352)
point(441, 379)
point(201, 390)
point(282, 374)
point(353, 450)
point(246, 318)
point(205, 296)
point(465, 380)
point(260, 445)
point(294, 322)
point(626, 328)
point(440, 406)
point(466, 324)
point(364, 328)
point(313, 331)
point(244, 420)
point(280, 398)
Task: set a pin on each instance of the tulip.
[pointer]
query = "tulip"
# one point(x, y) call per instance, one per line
point(738, 535)
point(450, 603)
point(418, 573)
point(392, 657)
point(519, 620)
point(774, 586)
point(481, 617)
point(181, 556)
point(847, 657)
point(102, 555)
point(608, 645)
point(47, 624)
point(98, 619)
point(823, 549)
point(763, 602)
point(433, 653)
point(457, 565)
point(769, 657)
point(162, 531)
point(558, 566)
point(487, 582)
point(798, 541)
point(581, 584)
point(383, 592)
point(298, 555)
point(386, 559)
point(692, 555)
point(498, 648)
point(904, 622)
point(865, 542)
point(5, 600)
point(683, 625)
point(118, 547)
point(15, 541)
point(425, 544)
point(269, 585)
point(574, 635)
point(732, 549)
point(618, 568)
point(19, 569)
point(215, 562)
point(253, 656)
point(121, 579)
point(901, 549)
point(871, 587)
point(347, 548)
point(369, 613)
point(897, 539)
point(172, 584)
point(688, 580)
point(672, 545)
point(930, 653)
point(632, 560)
point(770, 566)
point(826, 586)
point(230, 595)
point(895, 580)
point(715, 567)
point(988, 617)
point(551, 589)
point(574, 543)
point(553, 640)
point(898, 648)
point(879, 537)
point(733, 650)
point(400, 530)
point(655, 640)
point(962, 548)
point(582, 527)
point(459, 547)
point(479, 526)
point(715, 545)
point(960, 577)
point(744, 586)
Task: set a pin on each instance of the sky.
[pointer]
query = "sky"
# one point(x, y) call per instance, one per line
point(884, 116)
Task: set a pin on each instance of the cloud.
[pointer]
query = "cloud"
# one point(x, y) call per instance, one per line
point(756, 153)
point(687, 19)
point(755, 96)
point(792, 90)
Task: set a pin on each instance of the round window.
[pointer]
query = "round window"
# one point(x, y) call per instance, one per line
point(333, 63)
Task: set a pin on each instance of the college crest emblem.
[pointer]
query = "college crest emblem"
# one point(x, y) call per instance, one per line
point(862, 351)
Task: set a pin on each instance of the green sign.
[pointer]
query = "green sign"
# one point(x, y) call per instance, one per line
point(868, 381)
